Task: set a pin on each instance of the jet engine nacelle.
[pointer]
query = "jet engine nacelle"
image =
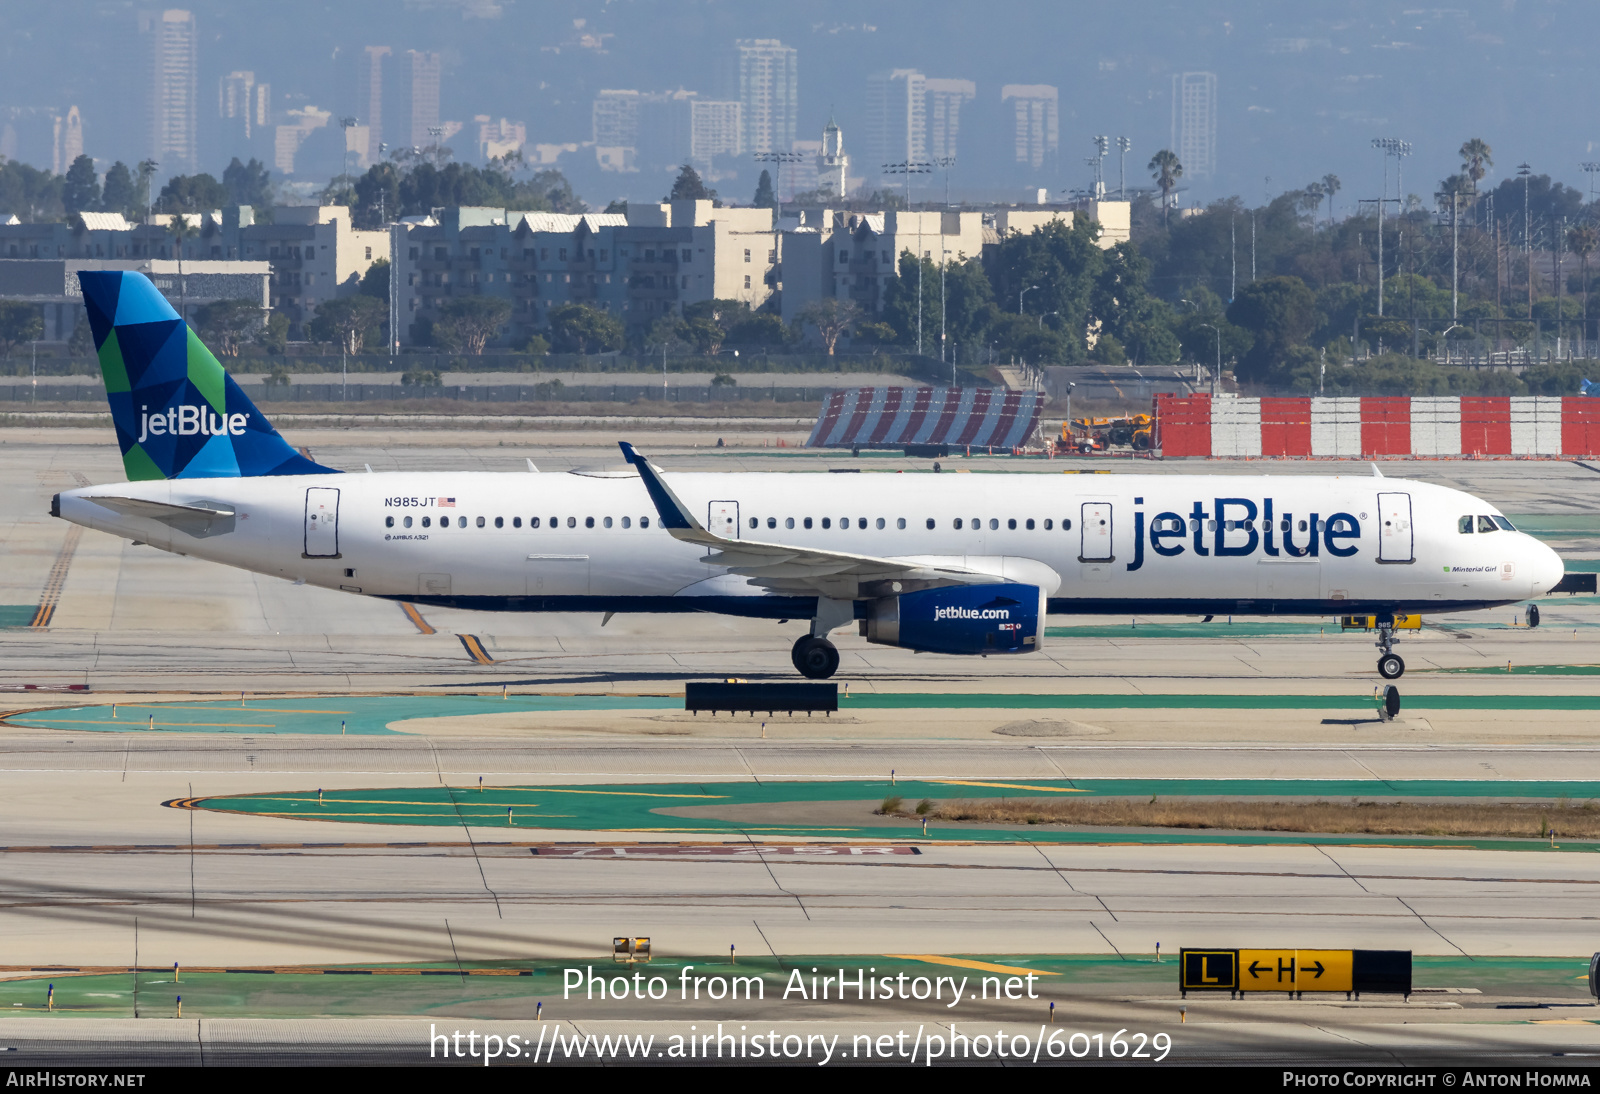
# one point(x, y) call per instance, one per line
point(999, 618)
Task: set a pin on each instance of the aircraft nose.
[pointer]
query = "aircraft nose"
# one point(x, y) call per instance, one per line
point(1545, 568)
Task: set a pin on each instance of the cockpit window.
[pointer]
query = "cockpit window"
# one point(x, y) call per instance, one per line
point(1464, 526)
point(1504, 524)
point(1487, 524)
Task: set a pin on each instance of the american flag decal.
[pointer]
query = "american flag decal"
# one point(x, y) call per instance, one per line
point(447, 503)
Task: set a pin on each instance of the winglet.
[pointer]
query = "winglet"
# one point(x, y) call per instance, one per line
point(674, 517)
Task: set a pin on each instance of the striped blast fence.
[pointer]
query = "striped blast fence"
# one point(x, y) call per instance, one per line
point(889, 417)
point(1371, 427)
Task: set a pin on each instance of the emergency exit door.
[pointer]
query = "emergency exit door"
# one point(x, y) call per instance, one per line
point(1394, 528)
point(722, 519)
point(1095, 530)
point(322, 522)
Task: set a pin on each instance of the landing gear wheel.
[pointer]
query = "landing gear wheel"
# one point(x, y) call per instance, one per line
point(1390, 667)
point(1533, 615)
point(815, 658)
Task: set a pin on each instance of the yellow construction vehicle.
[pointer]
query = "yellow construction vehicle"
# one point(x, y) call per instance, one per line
point(1134, 431)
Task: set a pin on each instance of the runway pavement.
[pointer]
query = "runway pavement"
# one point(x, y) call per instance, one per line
point(89, 849)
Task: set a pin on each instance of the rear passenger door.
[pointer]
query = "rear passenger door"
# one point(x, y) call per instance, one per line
point(1094, 528)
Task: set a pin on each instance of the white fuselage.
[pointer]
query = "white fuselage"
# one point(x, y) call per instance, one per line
point(1112, 543)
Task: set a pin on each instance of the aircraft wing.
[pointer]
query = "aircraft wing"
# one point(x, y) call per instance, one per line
point(839, 575)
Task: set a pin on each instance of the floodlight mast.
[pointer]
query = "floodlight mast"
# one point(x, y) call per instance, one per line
point(908, 169)
point(1399, 149)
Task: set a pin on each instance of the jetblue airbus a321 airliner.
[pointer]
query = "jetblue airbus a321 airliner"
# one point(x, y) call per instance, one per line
point(958, 564)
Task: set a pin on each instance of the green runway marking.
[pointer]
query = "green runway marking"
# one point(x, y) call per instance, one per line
point(362, 715)
point(1522, 670)
point(1558, 526)
point(374, 715)
point(630, 808)
point(424, 989)
point(17, 615)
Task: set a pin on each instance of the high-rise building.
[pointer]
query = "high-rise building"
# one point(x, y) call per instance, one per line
point(615, 118)
point(499, 138)
point(236, 108)
point(716, 128)
point(369, 98)
point(1038, 121)
point(897, 123)
point(833, 163)
point(665, 122)
point(944, 114)
point(769, 93)
point(69, 139)
point(172, 73)
point(1194, 122)
point(419, 98)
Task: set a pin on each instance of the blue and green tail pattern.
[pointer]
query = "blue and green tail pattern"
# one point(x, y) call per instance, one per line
point(177, 412)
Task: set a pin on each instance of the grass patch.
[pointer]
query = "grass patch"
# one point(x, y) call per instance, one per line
point(1364, 817)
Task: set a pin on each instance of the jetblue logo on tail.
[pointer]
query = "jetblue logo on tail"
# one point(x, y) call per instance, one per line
point(177, 412)
point(188, 421)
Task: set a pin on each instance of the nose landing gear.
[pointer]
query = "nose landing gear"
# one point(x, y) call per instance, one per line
point(1390, 665)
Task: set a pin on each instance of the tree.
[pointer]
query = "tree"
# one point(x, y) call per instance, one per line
point(688, 187)
point(19, 324)
point(189, 193)
point(584, 328)
point(1581, 241)
point(1166, 170)
point(1280, 312)
point(468, 322)
point(118, 194)
point(832, 318)
point(248, 183)
point(228, 324)
point(1476, 159)
point(764, 198)
point(758, 329)
point(1330, 187)
point(81, 190)
point(147, 174)
point(348, 320)
point(375, 282)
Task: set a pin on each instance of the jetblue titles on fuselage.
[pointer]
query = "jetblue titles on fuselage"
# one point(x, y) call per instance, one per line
point(1238, 527)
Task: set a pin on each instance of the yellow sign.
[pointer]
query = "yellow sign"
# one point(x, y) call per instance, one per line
point(1402, 622)
point(1296, 970)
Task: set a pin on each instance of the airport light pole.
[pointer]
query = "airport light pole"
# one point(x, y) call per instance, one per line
point(1399, 149)
point(944, 162)
point(1218, 371)
point(779, 158)
point(1124, 146)
point(908, 169)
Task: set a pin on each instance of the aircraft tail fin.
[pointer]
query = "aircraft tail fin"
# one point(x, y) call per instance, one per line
point(177, 412)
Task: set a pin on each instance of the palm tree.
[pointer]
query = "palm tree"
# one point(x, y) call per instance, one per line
point(1330, 187)
point(1476, 159)
point(1166, 170)
point(1581, 239)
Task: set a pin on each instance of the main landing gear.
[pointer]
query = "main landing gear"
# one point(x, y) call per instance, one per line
point(1390, 666)
point(815, 658)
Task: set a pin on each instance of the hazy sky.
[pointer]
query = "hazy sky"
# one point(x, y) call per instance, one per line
point(1302, 87)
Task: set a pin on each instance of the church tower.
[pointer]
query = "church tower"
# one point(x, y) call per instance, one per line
point(833, 165)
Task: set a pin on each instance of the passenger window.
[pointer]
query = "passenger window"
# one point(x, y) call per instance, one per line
point(572, 522)
point(588, 522)
point(808, 522)
point(533, 522)
point(627, 522)
point(1302, 526)
point(499, 522)
point(1030, 524)
point(426, 521)
point(1211, 526)
point(955, 523)
point(994, 524)
point(608, 522)
point(1048, 524)
point(788, 522)
point(880, 524)
point(1283, 525)
point(1486, 524)
point(1227, 526)
point(461, 522)
point(930, 524)
point(1066, 525)
point(644, 522)
point(861, 522)
point(516, 522)
point(1464, 526)
point(407, 522)
point(977, 524)
point(900, 523)
point(480, 522)
point(827, 522)
point(1504, 524)
point(388, 522)
point(755, 522)
point(1012, 524)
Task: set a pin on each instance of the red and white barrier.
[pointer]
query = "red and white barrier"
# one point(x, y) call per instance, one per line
point(1378, 426)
